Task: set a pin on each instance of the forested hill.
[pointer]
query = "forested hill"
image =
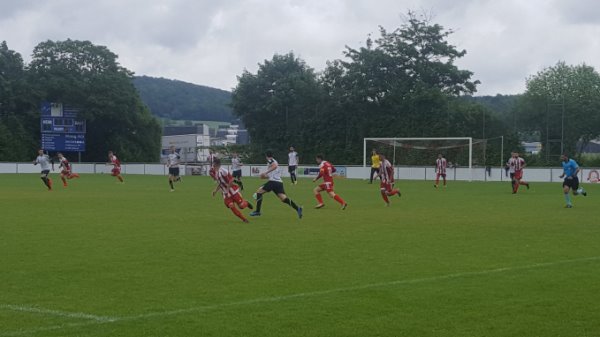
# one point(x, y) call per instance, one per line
point(179, 100)
point(501, 104)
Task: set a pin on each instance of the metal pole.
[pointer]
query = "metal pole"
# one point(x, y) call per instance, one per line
point(562, 126)
point(501, 156)
point(470, 159)
point(364, 152)
point(394, 157)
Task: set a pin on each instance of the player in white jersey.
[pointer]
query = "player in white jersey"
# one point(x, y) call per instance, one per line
point(275, 185)
point(45, 164)
point(236, 170)
point(293, 164)
point(173, 161)
point(440, 170)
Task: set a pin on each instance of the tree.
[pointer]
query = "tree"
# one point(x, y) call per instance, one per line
point(277, 102)
point(562, 104)
point(87, 76)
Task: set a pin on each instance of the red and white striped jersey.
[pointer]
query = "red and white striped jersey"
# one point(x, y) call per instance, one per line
point(440, 165)
point(224, 178)
point(115, 161)
point(64, 164)
point(516, 164)
point(386, 171)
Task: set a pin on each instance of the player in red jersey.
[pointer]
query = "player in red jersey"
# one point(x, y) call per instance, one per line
point(386, 174)
point(440, 170)
point(516, 165)
point(231, 193)
point(116, 164)
point(325, 171)
point(66, 170)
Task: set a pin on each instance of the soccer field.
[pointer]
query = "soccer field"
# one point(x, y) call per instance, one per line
point(104, 259)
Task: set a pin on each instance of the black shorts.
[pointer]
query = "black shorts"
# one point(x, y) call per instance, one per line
point(273, 186)
point(292, 168)
point(46, 173)
point(237, 174)
point(572, 183)
point(174, 171)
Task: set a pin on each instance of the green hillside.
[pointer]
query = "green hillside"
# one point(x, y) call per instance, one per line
point(177, 100)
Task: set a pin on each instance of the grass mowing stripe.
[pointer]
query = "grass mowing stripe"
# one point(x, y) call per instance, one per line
point(103, 320)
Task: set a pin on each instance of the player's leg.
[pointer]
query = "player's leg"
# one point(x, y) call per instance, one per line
point(383, 191)
point(171, 178)
point(73, 175)
point(259, 199)
point(373, 170)
point(337, 198)
point(63, 177)
point(577, 190)
point(444, 177)
point(230, 204)
point(437, 180)
point(239, 200)
point(278, 189)
point(566, 190)
point(45, 179)
point(317, 192)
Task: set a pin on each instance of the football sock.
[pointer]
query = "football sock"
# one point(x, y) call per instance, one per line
point(568, 198)
point(45, 180)
point(394, 192)
point(171, 183)
point(49, 183)
point(259, 199)
point(64, 180)
point(339, 199)
point(291, 203)
point(238, 213)
point(240, 184)
point(319, 198)
point(120, 178)
point(385, 198)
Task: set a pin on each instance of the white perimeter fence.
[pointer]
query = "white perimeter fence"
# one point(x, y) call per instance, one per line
point(352, 172)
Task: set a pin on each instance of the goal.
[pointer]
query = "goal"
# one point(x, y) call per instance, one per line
point(422, 151)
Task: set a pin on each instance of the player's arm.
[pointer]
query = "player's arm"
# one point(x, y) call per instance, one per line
point(318, 176)
point(271, 168)
point(216, 189)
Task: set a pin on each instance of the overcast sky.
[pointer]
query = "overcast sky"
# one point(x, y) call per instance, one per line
point(211, 42)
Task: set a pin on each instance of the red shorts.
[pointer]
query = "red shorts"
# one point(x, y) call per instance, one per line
point(116, 171)
point(327, 186)
point(235, 198)
point(519, 175)
point(441, 175)
point(385, 186)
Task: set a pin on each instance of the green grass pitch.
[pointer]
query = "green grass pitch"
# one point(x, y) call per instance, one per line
point(103, 259)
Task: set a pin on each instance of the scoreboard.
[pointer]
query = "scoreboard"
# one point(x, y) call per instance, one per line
point(61, 128)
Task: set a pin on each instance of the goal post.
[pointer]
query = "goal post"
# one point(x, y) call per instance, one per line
point(422, 143)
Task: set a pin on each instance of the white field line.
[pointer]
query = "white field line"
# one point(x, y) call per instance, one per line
point(51, 312)
point(104, 320)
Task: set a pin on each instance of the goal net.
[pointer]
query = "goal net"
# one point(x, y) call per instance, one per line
point(463, 152)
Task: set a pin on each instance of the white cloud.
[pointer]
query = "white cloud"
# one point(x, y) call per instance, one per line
point(210, 42)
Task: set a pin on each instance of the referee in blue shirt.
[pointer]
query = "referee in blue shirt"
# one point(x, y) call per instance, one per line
point(570, 171)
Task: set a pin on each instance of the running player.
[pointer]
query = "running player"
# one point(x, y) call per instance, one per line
point(45, 163)
point(231, 193)
point(326, 171)
point(293, 164)
point(66, 169)
point(173, 164)
point(516, 165)
point(440, 170)
point(570, 173)
point(275, 185)
point(116, 164)
point(236, 168)
point(386, 174)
